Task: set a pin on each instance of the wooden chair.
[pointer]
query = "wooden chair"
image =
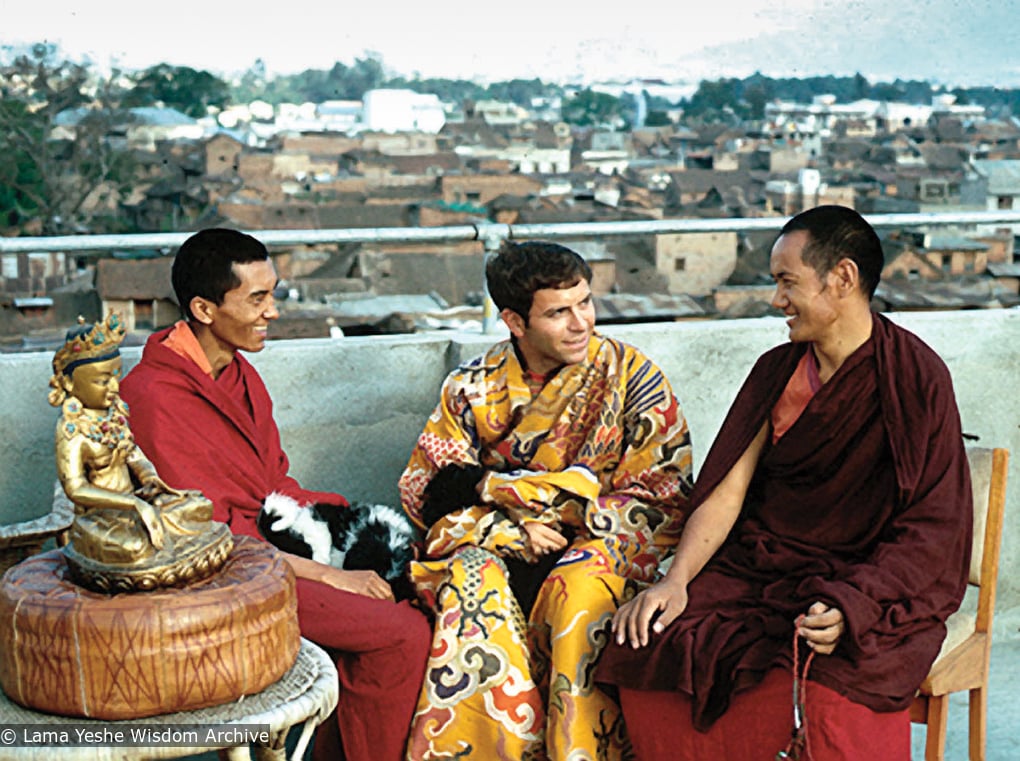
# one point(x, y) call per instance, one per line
point(963, 662)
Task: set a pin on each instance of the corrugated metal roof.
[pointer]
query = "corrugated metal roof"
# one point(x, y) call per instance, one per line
point(163, 117)
point(372, 308)
point(151, 115)
point(28, 302)
point(1000, 269)
point(922, 294)
point(955, 242)
point(655, 306)
point(1003, 175)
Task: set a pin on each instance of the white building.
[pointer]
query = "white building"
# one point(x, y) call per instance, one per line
point(525, 159)
point(402, 111)
point(899, 116)
point(340, 115)
point(820, 116)
point(824, 113)
point(945, 104)
point(499, 112)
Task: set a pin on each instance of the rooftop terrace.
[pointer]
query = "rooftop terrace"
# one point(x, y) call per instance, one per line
point(350, 409)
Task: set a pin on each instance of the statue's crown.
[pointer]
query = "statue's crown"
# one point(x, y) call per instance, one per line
point(86, 343)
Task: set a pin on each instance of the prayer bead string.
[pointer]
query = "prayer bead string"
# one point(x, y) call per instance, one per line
point(799, 741)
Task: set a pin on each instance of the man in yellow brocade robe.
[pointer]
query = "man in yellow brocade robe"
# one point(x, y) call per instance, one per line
point(554, 471)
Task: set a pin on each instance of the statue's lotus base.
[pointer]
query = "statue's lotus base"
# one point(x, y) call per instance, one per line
point(71, 651)
point(187, 560)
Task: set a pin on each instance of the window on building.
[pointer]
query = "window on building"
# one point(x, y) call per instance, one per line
point(144, 314)
point(679, 264)
point(1005, 202)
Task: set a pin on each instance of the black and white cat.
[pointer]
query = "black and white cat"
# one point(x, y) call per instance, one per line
point(455, 487)
point(359, 537)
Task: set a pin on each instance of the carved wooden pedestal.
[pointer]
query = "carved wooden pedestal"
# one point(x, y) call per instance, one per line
point(69, 651)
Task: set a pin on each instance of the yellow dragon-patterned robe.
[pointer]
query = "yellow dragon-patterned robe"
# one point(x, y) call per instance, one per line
point(602, 451)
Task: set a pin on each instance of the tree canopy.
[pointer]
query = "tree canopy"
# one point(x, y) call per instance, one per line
point(590, 108)
point(46, 175)
point(185, 89)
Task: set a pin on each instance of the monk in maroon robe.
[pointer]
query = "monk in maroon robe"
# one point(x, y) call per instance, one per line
point(829, 539)
point(202, 414)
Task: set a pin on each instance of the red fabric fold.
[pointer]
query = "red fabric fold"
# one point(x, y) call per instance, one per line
point(218, 436)
point(759, 724)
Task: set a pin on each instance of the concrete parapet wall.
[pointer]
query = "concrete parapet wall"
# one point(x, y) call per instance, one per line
point(350, 409)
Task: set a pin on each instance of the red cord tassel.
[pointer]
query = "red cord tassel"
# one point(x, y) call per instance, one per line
point(798, 749)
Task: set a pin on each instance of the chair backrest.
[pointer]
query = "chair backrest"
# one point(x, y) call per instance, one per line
point(988, 469)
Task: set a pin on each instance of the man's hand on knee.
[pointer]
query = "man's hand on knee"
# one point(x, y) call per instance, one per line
point(653, 609)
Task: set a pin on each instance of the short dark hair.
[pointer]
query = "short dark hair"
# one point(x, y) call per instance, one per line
point(519, 269)
point(204, 264)
point(836, 232)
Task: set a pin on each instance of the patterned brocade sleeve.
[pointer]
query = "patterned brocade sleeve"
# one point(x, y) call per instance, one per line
point(641, 513)
point(449, 438)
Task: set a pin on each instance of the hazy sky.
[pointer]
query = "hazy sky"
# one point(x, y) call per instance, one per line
point(551, 39)
point(441, 38)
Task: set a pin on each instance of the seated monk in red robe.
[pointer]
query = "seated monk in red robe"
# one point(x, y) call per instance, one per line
point(829, 539)
point(202, 414)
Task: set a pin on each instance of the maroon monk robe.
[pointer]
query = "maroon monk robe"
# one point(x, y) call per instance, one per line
point(219, 436)
point(864, 504)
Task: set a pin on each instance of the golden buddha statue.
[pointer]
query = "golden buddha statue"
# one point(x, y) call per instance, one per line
point(131, 530)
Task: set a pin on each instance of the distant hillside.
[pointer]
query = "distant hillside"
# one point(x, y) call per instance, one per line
point(947, 42)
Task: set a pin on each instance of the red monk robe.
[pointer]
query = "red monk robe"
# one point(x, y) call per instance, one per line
point(219, 436)
point(864, 504)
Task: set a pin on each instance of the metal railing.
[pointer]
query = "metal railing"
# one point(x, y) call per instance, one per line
point(486, 231)
point(490, 234)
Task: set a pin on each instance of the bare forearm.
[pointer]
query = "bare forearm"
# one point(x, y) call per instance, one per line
point(711, 522)
point(366, 583)
point(703, 534)
point(305, 568)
